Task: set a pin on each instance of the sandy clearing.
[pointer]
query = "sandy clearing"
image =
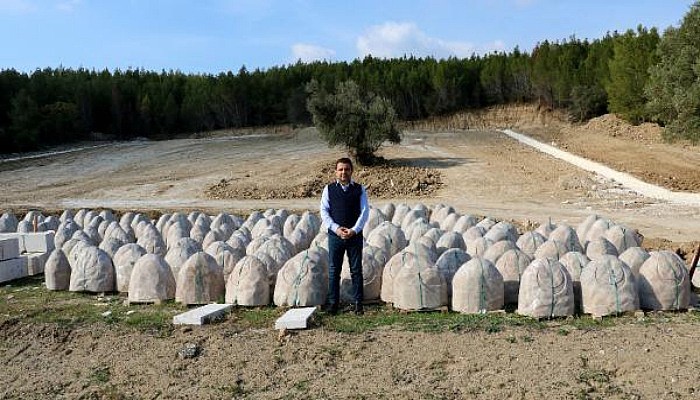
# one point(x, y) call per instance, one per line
point(627, 180)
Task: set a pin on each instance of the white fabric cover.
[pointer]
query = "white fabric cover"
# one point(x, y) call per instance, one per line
point(664, 283)
point(477, 287)
point(608, 287)
point(151, 280)
point(546, 290)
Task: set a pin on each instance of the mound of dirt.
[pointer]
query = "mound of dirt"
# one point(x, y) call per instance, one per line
point(617, 127)
point(385, 181)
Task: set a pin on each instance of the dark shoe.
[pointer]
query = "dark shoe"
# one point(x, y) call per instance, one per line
point(331, 309)
point(359, 309)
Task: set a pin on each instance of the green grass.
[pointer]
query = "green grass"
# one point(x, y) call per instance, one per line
point(27, 300)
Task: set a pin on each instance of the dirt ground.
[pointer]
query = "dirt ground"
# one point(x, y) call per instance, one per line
point(481, 172)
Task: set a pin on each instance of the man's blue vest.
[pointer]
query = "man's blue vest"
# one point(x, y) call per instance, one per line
point(345, 205)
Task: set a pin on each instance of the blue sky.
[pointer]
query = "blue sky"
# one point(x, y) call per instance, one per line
point(211, 36)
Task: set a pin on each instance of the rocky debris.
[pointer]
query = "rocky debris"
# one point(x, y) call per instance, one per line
point(384, 181)
point(190, 350)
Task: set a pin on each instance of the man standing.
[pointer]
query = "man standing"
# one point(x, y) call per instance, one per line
point(344, 210)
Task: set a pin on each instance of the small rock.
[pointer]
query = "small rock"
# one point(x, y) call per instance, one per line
point(106, 313)
point(130, 312)
point(10, 297)
point(191, 350)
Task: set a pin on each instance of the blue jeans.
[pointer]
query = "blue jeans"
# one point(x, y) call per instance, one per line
point(337, 248)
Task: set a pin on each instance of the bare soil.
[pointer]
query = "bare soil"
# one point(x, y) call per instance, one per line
point(480, 171)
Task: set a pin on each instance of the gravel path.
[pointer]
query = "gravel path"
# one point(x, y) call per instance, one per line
point(630, 182)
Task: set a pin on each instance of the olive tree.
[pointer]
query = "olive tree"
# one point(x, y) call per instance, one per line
point(359, 121)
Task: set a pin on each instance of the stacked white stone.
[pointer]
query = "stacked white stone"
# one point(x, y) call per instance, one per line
point(12, 266)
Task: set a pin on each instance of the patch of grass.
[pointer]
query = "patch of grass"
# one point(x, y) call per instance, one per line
point(100, 374)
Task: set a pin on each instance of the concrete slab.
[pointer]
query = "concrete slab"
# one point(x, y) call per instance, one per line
point(296, 318)
point(9, 248)
point(36, 262)
point(13, 269)
point(35, 242)
point(202, 315)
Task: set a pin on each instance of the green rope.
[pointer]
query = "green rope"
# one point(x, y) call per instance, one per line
point(301, 273)
point(612, 280)
point(551, 276)
point(482, 289)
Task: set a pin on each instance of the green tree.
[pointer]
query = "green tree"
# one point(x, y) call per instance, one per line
point(360, 122)
point(673, 89)
point(634, 53)
point(24, 117)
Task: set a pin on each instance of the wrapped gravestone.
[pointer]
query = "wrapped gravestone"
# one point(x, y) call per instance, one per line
point(608, 287)
point(434, 234)
point(373, 220)
point(300, 239)
point(448, 263)
point(66, 215)
point(448, 223)
point(80, 216)
point(199, 232)
point(107, 215)
point(399, 213)
point(92, 233)
point(567, 235)
point(575, 262)
point(463, 223)
point(110, 246)
point(473, 233)
point(177, 232)
point(239, 241)
point(178, 255)
point(600, 247)
point(8, 223)
point(388, 211)
point(373, 260)
point(303, 280)
point(320, 241)
point(102, 229)
point(57, 271)
point(583, 228)
point(496, 250)
point(440, 212)
point(663, 282)
point(152, 280)
point(118, 233)
point(419, 286)
point(93, 271)
point(33, 216)
point(394, 266)
point(553, 249)
point(124, 260)
point(289, 224)
point(160, 224)
point(597, 229)
point(64, 232)
point(546, 290)
point(417, 229)
point(546, 228)
point(389, 237)
point(511, 265)
point(478, 246)
point(634, 257)
point(252, 219)
point(225, 256)
point(200, 280)
point(450, 240)
point(309, 222)
point(529, 242)
point(152, 242)
point(50, 223)
point(486, 223)
point(248, 284)
point(622, 237)
point(477, 287)
point(214, 235)
point(502, 231)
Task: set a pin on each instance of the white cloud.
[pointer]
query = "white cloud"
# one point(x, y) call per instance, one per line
point(309, 52)
point(396, 39)
point(16, 6)
point(68, 5)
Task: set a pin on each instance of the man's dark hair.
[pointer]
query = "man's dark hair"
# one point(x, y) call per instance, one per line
point(344, 160)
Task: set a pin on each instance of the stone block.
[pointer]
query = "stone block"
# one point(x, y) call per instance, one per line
point(13, 269)
point(9, 248)
point(296, 318)
point(202, 315)
point(35, 242)
point(36, 262)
